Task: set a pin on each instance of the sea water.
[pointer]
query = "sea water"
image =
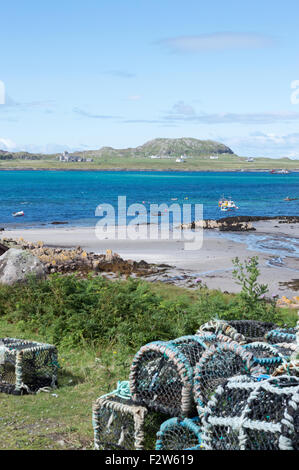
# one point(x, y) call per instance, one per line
point(73, 196)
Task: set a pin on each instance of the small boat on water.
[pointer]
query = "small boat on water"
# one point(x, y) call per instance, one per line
point(18, 214)
point(280, 172)
point(227, 204)
point(290, 198)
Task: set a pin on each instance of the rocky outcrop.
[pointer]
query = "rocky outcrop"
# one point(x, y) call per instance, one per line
point(240, 223)
point(221, 225)
point(81, 262)
point(16, 265)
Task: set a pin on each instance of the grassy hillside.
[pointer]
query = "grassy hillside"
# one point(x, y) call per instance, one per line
point(198, 154)
point(199, 163)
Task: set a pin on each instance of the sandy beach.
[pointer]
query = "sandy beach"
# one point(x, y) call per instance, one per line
point(276, 244)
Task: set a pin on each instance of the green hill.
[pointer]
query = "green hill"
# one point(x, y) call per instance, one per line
point(197, 152)
point(164, 147)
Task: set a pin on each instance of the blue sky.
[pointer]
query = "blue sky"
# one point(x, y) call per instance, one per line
point(82, 75)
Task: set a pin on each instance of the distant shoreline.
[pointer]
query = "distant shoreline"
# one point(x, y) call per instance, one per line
point(223, 170)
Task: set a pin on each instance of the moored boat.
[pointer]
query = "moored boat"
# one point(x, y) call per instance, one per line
point(18, 214)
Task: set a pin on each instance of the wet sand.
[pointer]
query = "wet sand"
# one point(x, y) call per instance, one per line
point(276, 245)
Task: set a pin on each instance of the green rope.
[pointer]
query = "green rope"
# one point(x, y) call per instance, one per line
point(122, 390)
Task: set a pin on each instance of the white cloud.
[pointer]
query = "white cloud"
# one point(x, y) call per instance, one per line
point(261, 144)
point(183, 109)
point(219, 41)
point(7, 144)
point(10, 146)
point(88, 114)
point(236, 118)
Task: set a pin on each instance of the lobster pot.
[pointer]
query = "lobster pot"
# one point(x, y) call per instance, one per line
point(270, 357)
point(161, 376)
point(270, 420)
point(281, 335)
point(120, 424)
point(26, 366)
point(179, 434)
point(223, 330)
point(219, 363)
point(222, 418)
point(252, 330)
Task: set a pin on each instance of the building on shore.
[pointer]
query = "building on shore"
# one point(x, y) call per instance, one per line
point(66, 157)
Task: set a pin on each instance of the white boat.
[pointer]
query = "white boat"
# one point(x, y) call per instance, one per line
point(227, 204)
point(18, 214)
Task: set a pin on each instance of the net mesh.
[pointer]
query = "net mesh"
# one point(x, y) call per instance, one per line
point(252, 330)
point(286, 349)
point(219, 363)
point(266, 422)
point(248, 413)
point(281, 335)
point(26, 366)
point(120, 424)
point(179, 434)
point(222, 418)
point(161, 374)
point(267, 355)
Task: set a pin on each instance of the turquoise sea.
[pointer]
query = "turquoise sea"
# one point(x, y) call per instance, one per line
point(72, 196)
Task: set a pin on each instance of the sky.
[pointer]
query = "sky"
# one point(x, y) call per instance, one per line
point(79, 75)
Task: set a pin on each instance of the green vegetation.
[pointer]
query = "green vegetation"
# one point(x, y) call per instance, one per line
point(98, 326)
point(198, 154)
point(246, 274)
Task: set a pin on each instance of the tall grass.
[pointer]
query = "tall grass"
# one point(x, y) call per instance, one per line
point(94, 312)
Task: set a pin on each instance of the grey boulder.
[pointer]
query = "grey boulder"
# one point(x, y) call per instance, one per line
point(16, 265)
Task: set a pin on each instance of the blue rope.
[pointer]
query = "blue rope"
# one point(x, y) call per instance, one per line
point(122, 390)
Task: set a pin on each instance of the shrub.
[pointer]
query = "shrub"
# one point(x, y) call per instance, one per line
point(73, 312)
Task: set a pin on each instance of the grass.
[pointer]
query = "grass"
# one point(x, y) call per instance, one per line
point(60, 419)
point(197, 163)
point(91, 364)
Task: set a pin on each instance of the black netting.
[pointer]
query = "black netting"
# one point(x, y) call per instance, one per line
point(281, 335)
point(265, 418)
point(222, 417)
point(26, 366)
point(270, 357)
point(162, 375)
point(120, 424)
point(218, 364)
point(252, 330)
